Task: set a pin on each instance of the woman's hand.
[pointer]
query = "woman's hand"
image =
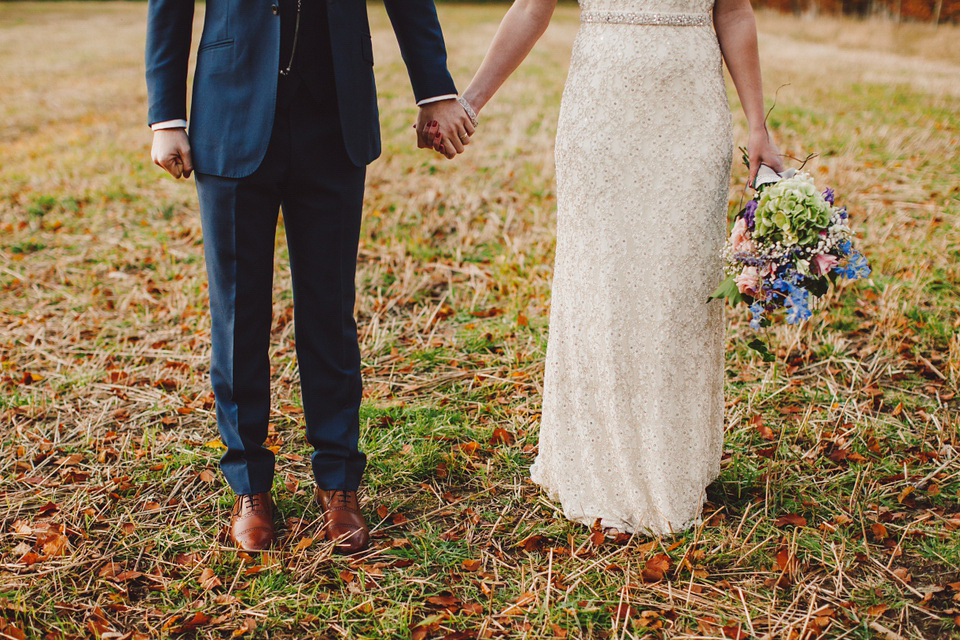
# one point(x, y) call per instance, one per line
point(762, 150)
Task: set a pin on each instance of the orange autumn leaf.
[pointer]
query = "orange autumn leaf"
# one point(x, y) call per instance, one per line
point(791, 519)
point(878, 530)
point(209, 580)
point(766, 432)
point(445, 599)
point(655, 568)
point(53, 544)
point(533, 543)
point(303, 544)
point(624, 611)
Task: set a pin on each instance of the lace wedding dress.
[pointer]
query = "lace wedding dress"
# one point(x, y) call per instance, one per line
point(632, 428)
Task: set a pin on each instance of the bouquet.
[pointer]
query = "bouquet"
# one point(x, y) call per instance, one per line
point(785, 247)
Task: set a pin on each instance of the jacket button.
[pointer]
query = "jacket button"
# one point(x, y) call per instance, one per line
point(275, 8)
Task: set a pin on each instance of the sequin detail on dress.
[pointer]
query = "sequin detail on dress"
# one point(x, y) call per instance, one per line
point(632, 429)
point(661, 19)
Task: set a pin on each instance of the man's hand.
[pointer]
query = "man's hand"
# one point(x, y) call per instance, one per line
point(444, 126)
point(171, 150)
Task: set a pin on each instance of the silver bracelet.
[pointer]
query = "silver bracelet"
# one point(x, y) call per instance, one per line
point(469, 109)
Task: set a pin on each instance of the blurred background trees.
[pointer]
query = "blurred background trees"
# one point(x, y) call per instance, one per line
point(933, 11)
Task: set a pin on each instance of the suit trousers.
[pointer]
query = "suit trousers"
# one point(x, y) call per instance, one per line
point(307, 173)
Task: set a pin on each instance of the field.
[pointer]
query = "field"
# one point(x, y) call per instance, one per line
point(837, 512)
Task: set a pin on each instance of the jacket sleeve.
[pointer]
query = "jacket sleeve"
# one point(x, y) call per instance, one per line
point(421, 43)
point(169, 31)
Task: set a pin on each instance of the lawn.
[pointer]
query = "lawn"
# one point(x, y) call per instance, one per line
point(837, 511)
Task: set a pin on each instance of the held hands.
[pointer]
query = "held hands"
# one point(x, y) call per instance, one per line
point(171, 151)
point(762, 150)
point(443, 126)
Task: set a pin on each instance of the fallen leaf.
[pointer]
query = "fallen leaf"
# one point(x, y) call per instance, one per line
point(472, 565)
point(53, 544)
point(303, 544)
point(445, 599)
point(877, 609)
point(902, 574)
point(125, 576)
point(791, 519)
point(655, 568)
point(472, 609)
point(766, 432)
point(735, 632)
point(533, 543)
point(249, 626)
point(9, 630)
point(784, 560)
point(199, 619)
point(487, 313)
point(624, 611)
point(209, 580)
point(878, 530)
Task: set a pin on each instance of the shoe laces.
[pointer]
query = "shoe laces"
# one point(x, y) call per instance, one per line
point(339, 499)
point(253, 502)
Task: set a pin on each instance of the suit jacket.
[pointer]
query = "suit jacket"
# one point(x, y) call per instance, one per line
point(238, 62)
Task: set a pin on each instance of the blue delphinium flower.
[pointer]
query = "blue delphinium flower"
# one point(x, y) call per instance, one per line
point(797, 305)
point(828, 195)
point(757, 310)
point(856, 267)
point(748, 213)
point(844, 247)
point(797, 313)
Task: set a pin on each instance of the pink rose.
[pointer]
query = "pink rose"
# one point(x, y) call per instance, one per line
point(748, 282)
point(739, 234)
point(823, 263)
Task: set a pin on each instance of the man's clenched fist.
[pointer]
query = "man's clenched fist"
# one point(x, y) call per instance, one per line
point(171, 150)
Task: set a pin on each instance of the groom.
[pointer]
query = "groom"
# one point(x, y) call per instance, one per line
point(284, 114)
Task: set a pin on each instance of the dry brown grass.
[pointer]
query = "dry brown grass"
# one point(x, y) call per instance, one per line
point(112, 503)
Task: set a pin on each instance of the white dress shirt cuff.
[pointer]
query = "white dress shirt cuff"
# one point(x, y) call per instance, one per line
point(449, 96)
point(169, 124)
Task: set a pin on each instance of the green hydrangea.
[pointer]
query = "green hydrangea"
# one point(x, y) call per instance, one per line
point(791, 212)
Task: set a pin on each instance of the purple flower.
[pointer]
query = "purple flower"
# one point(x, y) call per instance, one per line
point(749, 212)
point(828, 196)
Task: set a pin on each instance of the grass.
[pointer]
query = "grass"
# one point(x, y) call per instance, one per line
point(838, 507)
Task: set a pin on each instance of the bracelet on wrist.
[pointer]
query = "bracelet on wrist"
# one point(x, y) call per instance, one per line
point(471, 112)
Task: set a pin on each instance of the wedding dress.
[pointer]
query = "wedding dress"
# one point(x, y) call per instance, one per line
point(632, 428)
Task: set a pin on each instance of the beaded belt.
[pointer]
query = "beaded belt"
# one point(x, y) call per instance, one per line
point(647, 18)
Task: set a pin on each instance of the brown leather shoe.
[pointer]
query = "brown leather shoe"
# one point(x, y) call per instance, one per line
point(251, 522)
point(342, 521)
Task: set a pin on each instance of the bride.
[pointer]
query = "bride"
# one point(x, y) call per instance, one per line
point(632, 429)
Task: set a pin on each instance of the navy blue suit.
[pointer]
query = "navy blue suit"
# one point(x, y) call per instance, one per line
point(261, 141)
